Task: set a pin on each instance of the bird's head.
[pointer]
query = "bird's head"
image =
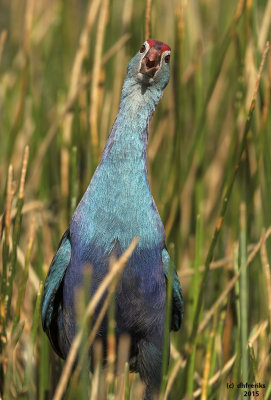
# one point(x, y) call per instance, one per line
point(150, 66)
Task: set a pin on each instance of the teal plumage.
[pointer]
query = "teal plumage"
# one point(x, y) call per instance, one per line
point(116, 207)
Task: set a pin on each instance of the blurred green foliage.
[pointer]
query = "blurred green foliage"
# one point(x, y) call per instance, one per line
point(59, 94)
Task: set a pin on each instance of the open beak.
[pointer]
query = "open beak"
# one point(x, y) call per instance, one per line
point(151, 62)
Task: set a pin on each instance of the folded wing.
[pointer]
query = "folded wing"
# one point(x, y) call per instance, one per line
point(52, 288)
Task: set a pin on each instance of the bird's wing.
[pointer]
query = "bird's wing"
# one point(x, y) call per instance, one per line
point(177, 297)
point(54, 278)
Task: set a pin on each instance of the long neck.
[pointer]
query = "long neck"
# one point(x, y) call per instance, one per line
point(129, 135)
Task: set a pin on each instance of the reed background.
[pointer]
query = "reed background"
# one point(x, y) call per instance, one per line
point(62, 64)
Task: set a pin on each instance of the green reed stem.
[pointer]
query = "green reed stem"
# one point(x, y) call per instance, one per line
point(268, 392)
point(195, 291)
point(220, 56)
point(73, 180)
point(254, 365)
point(36, 317)
point(226, 197)
point(13, 258)
point(83, 299)
point(243, 294)
point(45, 378)
point(111, 341)
point(22, 288)
point(167, 321)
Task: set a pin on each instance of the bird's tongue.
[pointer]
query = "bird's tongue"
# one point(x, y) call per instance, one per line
point(150, 62)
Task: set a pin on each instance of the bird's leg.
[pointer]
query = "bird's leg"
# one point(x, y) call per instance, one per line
point(149, 364)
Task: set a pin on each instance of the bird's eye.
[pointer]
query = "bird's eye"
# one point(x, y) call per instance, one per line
point(167, 58)
point(142, 48)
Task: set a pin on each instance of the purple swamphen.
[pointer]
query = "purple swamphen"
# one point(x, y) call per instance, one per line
point(116, 207)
